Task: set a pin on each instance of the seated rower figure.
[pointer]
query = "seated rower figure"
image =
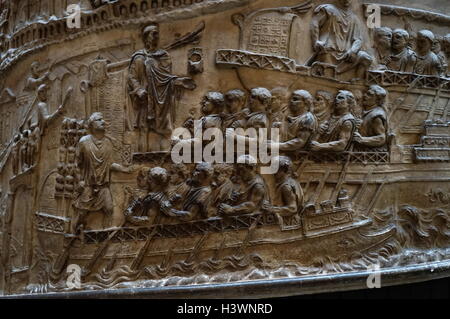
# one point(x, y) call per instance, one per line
point(301, 125)
point(427, 63)
point(157, 204)
point(259, 105)
point(373, 130)
point(290, 201)
point(197, 203)
point(337, 134)
point(252, 193)
point(235, 106)
point(403, 58)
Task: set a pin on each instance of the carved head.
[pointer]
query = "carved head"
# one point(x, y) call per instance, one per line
point(213, 103)
point(375, 96)
point(260, 100)
point(235, 100)
point(143, 178)
point(285, 167)
point(383, 37)
point(400, 39)
point(301, 102)
point(246, 167)
point(446, 44)
point(342, 102)
point(178, 173)
point(425, 40)
point(35, 68)
point(159, 179)
point(323, 101)
point(223, 172)
point(280, 95)
point(345, 3)
point(150, 36)
point(96, 123)
point(203, 173)
point(42, 93)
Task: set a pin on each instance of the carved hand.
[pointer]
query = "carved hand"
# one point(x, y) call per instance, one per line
point(141, 93)
point(357, 137)
point(225, 209)
point(319, 46)
point(186, 82)
point(315, 146)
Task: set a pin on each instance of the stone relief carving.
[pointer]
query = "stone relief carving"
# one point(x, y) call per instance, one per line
point(354, 119)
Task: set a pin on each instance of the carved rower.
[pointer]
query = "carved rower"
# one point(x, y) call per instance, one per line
point(373, 130)
point(301, 125)
point(290, 200)
point(403, 58)
point(337, 134)
point(427, 62)
point(253, 192)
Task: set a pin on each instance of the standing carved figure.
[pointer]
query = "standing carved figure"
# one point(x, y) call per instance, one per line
point(34, 144)
point(44, 119)
point(15, 154)
point(36, 80)
point(95, 162)
point(403, 58)
point(337, 134)
point(373, 130)
point(154, 90)
point(337, 38)
point(427, 62)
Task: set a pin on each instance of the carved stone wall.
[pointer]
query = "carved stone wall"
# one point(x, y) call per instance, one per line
point(93, 195)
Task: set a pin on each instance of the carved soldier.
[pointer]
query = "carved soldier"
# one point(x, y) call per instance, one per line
point(252, 193)
point(446, 51)
point(437, 49)
point(156, 205)
point(179, 183)
point(260, 100)
point(337, 38)
point(197, 204)
point(427, 62)
point(94, 158)
point(373, 130)
point(337, 134)
point(237, 113)
point(383, 46)
point(289, 200)
point(153, 89)
point(224, 183)
point(322, 106)
point(44, 119)
point(403, 58)
point(36, 80)
point(34, 144)
point(280, 98)
point(300, 126)
point(15, 154)
point(24, 150)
